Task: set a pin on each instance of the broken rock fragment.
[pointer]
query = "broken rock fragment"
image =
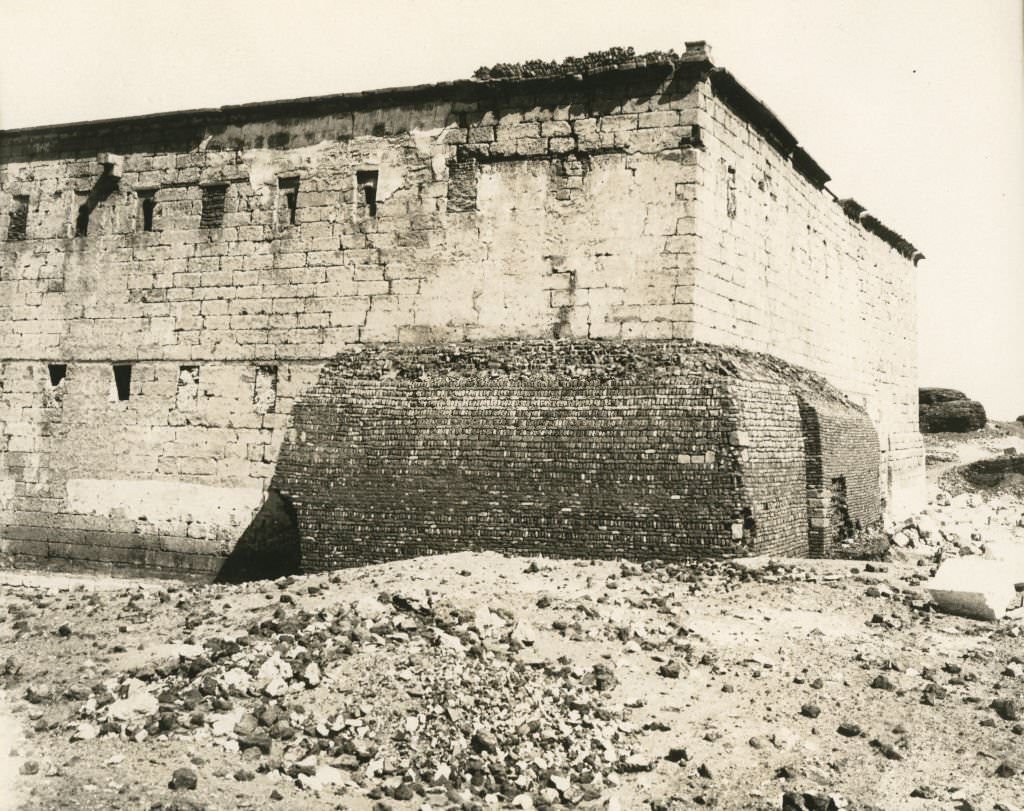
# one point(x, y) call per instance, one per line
point(1009, 709)
point(973, 587)
point(183, 778)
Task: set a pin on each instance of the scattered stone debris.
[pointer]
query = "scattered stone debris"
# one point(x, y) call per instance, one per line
point(603, 687)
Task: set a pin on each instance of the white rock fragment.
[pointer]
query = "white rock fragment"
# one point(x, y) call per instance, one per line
point(224, 723)
point(85, 732)
point(486, 621)
point(369, 607)
point(137, 703)
point(236, 681)
point(324, 776)
point(973, 587)
point(272, 677)
point(449, 642)
point(311, 674)
point(524, 633)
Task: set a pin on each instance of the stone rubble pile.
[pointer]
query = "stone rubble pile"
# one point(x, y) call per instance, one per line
point(962, 524)
point(466, 713)
point(412, 701)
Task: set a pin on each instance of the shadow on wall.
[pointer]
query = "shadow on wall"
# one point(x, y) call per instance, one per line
point(268, 548)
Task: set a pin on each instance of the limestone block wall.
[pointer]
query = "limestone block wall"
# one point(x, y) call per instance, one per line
point(782, 267)
point(164, 482)
point(225, 255)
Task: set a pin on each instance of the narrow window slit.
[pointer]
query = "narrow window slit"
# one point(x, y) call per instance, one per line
point(264, 394)
point(213, 206)
point(367, 183)
point(187, 393)
point(148, 199)
point(123, 380)
point(290, 187)
point(82, 221)
point(730, 194)
point(17, 228)
point(58, 371)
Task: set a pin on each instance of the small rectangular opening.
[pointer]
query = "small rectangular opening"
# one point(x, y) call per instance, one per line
point(17, 228)
point(213, 206)
point(187, 394)
point(264, 394)
point(147, 199)
point(366, 180)
point(289, 187)
point(58, 371)
point(730, 193)
point(123, 380)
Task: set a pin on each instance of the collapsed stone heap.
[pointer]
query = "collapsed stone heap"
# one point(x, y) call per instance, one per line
point(479, 715)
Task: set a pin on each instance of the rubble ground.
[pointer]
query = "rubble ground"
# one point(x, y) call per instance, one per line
point(477, 680)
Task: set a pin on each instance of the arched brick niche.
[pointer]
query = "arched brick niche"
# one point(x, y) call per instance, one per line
point(843, 490)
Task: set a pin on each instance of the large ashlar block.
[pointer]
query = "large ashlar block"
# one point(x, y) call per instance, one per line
point(974, 587)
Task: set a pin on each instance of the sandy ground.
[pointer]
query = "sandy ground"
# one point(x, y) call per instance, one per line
point(771, 661)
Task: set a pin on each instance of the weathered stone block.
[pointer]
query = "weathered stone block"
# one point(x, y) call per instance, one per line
point(973, 587)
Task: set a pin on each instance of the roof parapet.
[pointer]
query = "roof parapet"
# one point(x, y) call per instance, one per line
point(755, 112)
point(856, 212)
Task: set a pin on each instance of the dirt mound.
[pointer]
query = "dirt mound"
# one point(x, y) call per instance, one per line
point(478, 681)
point(1004, 471)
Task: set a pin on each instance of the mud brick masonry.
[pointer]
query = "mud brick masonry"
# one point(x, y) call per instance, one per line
point(605, 307)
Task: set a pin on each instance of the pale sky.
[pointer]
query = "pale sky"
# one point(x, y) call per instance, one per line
point(915, 107)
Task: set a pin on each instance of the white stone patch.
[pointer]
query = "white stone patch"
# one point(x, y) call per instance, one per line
point(6, 492)
point(973, 587)
point(161, 500)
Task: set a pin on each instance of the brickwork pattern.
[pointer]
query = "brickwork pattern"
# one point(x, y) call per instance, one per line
point(842, 453)
point(642, 449)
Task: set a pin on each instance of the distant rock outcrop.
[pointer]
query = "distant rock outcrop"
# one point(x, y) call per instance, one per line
point(943, 410)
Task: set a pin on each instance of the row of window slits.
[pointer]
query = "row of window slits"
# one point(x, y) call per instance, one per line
point(212, 215)
point(266, 379)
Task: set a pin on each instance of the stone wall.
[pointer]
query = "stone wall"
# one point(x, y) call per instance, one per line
point(164, 482)
point(225, 255)
point(783, 267)
point(843, 488)
point(641, 449)
point(457, 212)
